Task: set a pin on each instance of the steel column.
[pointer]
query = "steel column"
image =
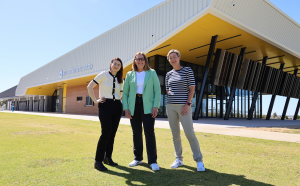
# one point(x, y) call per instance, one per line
point(207, 67)
point(288, 99)
point(274, 93)
point(260, 106)
point(251, 110)
point(221, 101)
point(233, 89)
point(297, 110)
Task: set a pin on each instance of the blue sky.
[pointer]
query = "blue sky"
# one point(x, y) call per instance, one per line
point(35, 32)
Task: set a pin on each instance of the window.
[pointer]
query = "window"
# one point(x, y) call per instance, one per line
point(88, 101)
point(79, 98)
point(161, 63)
point(151, 61)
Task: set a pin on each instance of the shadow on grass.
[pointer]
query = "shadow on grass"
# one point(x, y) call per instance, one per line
point(185, 175)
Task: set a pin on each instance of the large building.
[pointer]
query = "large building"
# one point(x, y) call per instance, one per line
point(237, 49)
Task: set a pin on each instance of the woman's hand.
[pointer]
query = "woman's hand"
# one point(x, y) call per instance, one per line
point(128, 114)
point(154, 112)
point(101, 100)
point(184, 110)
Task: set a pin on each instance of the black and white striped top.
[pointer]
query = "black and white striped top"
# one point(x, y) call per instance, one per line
point(178, 83)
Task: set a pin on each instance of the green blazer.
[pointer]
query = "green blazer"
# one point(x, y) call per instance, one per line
point(151, 92)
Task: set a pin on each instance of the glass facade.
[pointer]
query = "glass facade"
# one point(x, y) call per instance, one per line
point(215, 98)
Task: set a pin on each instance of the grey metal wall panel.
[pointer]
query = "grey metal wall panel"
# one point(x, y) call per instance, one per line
point(266, 79)
point(243, 73)
point(286, 84)
point(250, 84)
point(274, 85)
point(222, 69)
point(41, 104)
point(49, 104)
point(232, 70)
point(279, 83)
point(36, 105)
point(217, 65)
point(237, 72)
point(9, 92)
point(248, 74)
point(283, 84)
point(260, 76)
point(45, 103)
point(291, 85)
point(272, 81)
point(30, 104)
point(225, 68)
point(297, 89)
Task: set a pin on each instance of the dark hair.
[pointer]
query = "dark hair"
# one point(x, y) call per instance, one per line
point(120, 72)
point(146, 67)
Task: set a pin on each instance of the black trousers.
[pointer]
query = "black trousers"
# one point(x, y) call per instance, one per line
point(147, 121)
point(109, 114)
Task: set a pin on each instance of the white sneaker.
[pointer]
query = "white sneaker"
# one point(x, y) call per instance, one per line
point(135, 163)
point(176, 163)
point(154, 166)
point(200, 166)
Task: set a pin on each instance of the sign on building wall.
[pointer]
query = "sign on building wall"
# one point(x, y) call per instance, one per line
point(75, 70)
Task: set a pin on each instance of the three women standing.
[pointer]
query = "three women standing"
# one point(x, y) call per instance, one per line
point(141, 100)
point(109, 110)
point(180, 85)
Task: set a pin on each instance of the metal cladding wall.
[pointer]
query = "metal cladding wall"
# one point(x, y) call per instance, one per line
point(258, 17)
point(253, 76)
point(265, 19)
point(122, 41)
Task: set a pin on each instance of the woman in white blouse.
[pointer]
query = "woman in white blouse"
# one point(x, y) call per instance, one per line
point(109, 110)
point(140, 102)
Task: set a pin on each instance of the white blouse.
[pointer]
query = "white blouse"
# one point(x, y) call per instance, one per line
point(108, 85)
point(140, 77)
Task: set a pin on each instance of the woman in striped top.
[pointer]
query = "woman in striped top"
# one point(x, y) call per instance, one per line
point(180, 85)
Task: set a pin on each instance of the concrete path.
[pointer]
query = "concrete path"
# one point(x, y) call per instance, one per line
point(209, 125)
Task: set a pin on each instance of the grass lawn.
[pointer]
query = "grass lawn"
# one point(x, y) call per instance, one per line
point(38, 150)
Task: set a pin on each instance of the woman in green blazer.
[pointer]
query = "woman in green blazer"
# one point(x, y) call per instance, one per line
point(141, 100)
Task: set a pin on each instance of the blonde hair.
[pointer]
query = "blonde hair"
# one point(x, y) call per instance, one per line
point(146, 67)
point(173, 51)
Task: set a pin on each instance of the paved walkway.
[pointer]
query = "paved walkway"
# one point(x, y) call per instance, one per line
point(209, 125)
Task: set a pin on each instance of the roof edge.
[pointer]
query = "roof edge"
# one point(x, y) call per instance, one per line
point(56, 81)
point(247, 28)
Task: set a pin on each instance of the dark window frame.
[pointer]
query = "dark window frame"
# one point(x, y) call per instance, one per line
point(88, 101)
